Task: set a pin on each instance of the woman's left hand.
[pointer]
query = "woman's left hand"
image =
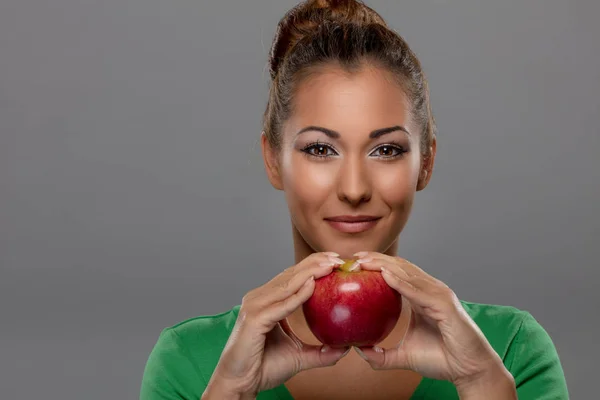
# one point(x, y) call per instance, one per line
point(442, 341)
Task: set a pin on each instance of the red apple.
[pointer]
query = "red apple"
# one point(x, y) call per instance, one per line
point(352, 308)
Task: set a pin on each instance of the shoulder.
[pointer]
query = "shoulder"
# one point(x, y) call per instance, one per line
point(206, 327)
point(185, 356)
point(204, 337)
point(499, 323)
point(495, 317)
point(526, 348)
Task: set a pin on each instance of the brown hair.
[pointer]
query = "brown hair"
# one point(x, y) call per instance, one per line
point(348, 33)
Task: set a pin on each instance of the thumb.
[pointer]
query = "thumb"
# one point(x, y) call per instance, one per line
point(379, 359)
point(395, 358)
point(312, 356)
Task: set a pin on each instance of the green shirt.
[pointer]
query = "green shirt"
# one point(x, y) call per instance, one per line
point(186, 354)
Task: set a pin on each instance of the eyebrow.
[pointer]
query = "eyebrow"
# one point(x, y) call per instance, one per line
point(373, 135)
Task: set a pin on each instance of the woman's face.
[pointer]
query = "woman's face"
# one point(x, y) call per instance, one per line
point(352, 170)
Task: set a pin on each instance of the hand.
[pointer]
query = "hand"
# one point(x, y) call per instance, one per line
point(442, 341)
point(262, 351)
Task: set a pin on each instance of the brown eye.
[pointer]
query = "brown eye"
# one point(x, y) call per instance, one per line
point(389, 151)
point(320, 150)
point(386, 151)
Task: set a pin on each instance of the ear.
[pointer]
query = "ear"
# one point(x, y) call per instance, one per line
point(271, 162)
point(427, 166)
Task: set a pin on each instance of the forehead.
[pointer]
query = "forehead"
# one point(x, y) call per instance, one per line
point(333, 95)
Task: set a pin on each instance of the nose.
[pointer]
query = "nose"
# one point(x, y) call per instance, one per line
point(354, 186)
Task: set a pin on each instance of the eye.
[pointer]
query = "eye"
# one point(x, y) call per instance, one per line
point(319, 150)
point(323, 151)
point(389, 151)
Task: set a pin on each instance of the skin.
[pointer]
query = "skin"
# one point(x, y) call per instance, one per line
point(358, 176)
point(356, 180)
point(353, 173)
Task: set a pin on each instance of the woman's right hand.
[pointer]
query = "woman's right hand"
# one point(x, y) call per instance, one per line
point(262, 351)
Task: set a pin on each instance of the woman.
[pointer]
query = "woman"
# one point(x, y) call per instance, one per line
point(348, 135)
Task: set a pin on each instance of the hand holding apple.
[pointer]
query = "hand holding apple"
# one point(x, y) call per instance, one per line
point(442, 341)
point(352, 308)
point(262, 351)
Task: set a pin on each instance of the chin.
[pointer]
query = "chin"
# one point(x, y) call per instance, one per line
point(346, 247)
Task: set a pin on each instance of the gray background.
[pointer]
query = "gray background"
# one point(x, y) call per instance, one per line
point(133, 196)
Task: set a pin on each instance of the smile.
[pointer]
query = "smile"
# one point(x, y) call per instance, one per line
point(348, 226)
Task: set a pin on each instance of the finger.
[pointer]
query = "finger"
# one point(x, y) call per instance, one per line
point(401, 269)
point(377, 357)
point(290, 281)
point(407, 286)
point(397, 262)
point(418, 278)
point(312, 356)
point(377, 264)
point(393, 358)
point(282, 309)
point(410, 287)
point(262, 320)
point(414, 270)
point(413, 288)
point(287, 329)
point(430, 299)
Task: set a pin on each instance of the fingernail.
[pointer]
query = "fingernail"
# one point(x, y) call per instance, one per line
point(336, 260)
point(331, 253)
point(355, 267)
point(364, 260)
point(325, 348)
point(360, 353)
point(360, 254)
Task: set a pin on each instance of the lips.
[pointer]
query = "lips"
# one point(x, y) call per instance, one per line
point(352, 218)
point(353, 223)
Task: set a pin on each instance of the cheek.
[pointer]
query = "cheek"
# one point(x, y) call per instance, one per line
point(396, 185)
point(307, 183)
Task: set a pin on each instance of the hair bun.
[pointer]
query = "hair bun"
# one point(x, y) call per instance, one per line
point(347, 11)
point(308, 16)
